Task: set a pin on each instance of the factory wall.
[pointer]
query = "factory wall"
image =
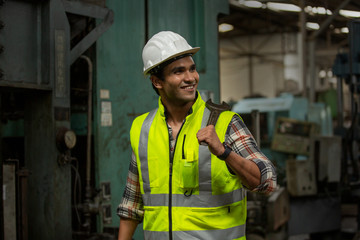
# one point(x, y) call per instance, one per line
point(119, 75)
point(255, 65)
point(267, 80)
point(267, 65)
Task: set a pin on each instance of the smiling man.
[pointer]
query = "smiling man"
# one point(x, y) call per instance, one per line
point(179, 188)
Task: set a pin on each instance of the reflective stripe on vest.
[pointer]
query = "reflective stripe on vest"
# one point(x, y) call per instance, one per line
point(143, 148)
point(231, 233)
point(202, 200)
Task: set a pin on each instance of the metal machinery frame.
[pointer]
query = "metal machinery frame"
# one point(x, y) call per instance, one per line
point(35, 59)
point(347, 69)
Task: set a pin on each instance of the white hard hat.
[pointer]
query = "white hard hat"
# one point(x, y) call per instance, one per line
point(164, 46)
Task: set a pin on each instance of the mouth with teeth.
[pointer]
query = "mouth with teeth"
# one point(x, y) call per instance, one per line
point(190, 88)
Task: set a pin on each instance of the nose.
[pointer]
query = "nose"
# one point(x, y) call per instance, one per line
point(189, 76)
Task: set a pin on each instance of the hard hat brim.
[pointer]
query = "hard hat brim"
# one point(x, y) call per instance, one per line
point(191, 51)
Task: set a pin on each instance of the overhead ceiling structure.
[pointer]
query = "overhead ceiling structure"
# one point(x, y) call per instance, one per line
point(270, 17)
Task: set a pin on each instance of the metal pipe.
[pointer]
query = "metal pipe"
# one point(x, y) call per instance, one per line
point(312, 43)
point(312, 70)
point(352, 61)
point(340, 103)
point(89, 121)
point(255, 123)
point(303, 46)
point(251, 67)
point(88, 144)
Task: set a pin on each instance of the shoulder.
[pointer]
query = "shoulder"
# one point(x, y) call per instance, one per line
point(233, 121)
point(237, 118)
point(139, 120)
point(231, 117)
point(224, 122)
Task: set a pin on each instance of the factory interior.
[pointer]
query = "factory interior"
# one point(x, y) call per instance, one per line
point(71, 83)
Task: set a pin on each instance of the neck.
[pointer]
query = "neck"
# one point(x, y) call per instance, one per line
point(176, 111)
point(177, 114)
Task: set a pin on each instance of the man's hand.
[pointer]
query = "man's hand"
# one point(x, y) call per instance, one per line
point(246, 170)
point(208, 135)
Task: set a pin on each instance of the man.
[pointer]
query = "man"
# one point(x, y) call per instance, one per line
point(186, 180)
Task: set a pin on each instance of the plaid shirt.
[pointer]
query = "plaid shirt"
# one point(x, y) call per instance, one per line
point(241, 141)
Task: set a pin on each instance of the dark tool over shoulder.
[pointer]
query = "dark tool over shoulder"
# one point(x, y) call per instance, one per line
point(215, 110)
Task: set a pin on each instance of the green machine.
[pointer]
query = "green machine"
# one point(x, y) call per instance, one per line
point(39, 41)
point(70, 85)
point(119, 75)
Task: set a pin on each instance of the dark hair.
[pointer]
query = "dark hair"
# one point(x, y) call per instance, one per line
point(159, 74)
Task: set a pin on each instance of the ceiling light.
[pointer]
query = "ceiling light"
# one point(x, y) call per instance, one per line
point(283, 7)
point(330, 73)
point(341, 30)
point(252, 4)
point(225, 27)
point(348, 13)
point(321, 10)
point(317, 10)
point(309, 9)
point(313, 26)
point(322, 74)
point(344, 30)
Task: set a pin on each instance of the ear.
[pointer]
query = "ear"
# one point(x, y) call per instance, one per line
point(157, 82)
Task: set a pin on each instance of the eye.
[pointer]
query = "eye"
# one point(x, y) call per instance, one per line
point(178, 71)
point(193, 68)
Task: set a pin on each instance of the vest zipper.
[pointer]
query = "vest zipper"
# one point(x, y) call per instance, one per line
point(170, 190)
point(170, 180)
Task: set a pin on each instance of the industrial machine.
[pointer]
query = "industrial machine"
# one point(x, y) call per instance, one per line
point(287, 138)
point(296, 135)
point(347, 70)
point(64, 135)
point(41, 44)
point(71, 83)
point(317, 163)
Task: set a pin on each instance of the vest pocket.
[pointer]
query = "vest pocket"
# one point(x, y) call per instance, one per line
point(156, 173)
point(189, 171)
point(156, 218)
point(205, 218)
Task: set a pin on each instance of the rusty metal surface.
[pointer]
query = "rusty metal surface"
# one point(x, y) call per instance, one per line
point(9, 201)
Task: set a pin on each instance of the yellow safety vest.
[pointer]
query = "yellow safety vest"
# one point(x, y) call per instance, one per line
point(194, 196)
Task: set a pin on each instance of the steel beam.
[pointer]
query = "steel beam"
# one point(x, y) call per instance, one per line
point(93, 11)
point(312, 47)
point(326, 23)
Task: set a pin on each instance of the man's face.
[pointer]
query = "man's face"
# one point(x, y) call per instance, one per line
point(180, 82)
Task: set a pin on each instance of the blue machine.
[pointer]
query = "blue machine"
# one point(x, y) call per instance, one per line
point(284, 106)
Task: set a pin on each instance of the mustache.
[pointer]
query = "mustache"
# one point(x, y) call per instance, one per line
point(187, 84)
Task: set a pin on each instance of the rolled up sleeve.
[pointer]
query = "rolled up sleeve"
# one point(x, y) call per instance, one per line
point(243, 143)
point(131, 205)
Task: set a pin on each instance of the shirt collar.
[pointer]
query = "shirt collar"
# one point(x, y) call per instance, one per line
point(193, 108)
